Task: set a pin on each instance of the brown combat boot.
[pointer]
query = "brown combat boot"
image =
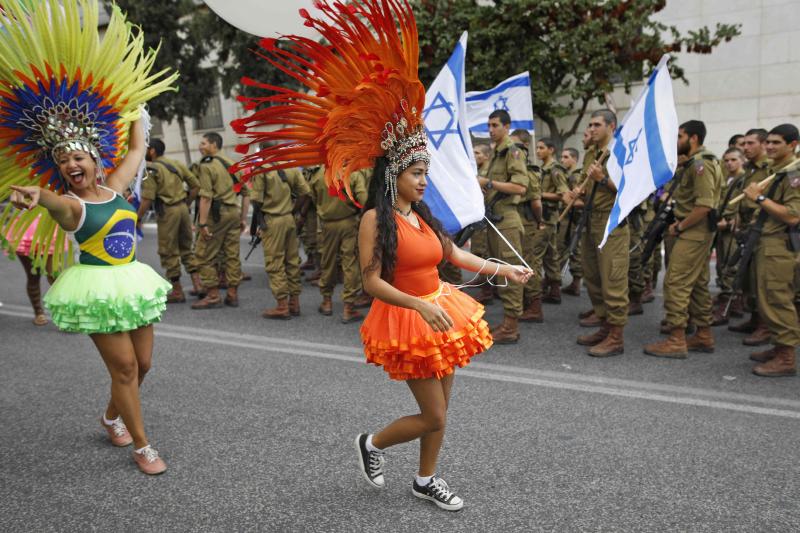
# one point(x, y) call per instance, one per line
point(591, 321)
point(648, 295)
point(232, 296)
point(593, 339)
point(783, 364)
point(309, 264)
point(315, 276)
point(554, 294)
point(748, 326)
point(673, 346)
point(701, 341)
point(533, 313)
point(351, 314)
point(176, 295)
point(197, 286)
point(363, 300)
point(279, 312)
point(635, 305)
point(574, 288)
point(718, 317)
point(326, 307)
point(613, 344)
point(223, 280)
point(759, 337)
point(294, 305)
point(586, 314)
point(486, 295)
point(210, 301)
point(763, 356)
point(737, 306)
point(507, 332)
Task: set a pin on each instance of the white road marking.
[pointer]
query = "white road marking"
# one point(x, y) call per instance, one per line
point(675, 394)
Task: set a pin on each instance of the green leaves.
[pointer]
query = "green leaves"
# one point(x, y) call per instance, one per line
point(575, 50)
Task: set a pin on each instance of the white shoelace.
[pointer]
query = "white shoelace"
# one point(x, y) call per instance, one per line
point(376, 461)
point(119, 428)
point(150, 454)
point(440, 489)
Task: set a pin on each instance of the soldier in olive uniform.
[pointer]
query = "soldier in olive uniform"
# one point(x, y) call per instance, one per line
point(756, 169)
point(272, 197)
point(775, 254)
point(533, 245)
point(166, 185)
point(636, 281)
point(733, 163)
point(566, 227)
point(554, 184)
point(339, 225)
point(689, 238)
point(220, 222)
point(478, 242)
point(309, 235)
point(508, 176)
point(606, 269)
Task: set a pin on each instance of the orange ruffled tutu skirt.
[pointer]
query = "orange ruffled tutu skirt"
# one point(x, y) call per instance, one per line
point(400, 341)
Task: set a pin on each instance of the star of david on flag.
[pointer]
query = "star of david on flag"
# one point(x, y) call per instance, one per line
point(512, 95)
point(644, 151)
point(453, 193)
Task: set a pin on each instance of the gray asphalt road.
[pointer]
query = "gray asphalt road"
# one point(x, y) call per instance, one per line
point(256, 421)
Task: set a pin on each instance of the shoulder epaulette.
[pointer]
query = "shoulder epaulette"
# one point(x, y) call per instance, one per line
point(207, 159)
point(709, 157)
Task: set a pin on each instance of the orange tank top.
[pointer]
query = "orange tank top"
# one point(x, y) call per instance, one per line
point(418, 253)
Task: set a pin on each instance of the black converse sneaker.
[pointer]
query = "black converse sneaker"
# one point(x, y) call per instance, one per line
point(371, 462)
point(439, 493)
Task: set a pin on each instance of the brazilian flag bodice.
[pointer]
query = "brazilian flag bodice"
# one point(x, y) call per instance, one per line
point(107, 235)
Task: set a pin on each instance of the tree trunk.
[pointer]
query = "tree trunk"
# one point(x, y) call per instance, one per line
point(187, 153)
point(555, 133)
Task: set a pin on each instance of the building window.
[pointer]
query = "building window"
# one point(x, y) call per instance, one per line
point(212, 118)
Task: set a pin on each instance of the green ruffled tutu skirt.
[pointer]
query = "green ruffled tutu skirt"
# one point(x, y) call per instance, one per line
point(107, 299)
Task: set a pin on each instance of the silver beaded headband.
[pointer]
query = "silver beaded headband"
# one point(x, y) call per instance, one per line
point(403, 148)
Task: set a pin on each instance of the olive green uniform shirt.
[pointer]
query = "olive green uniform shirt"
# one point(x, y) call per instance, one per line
point(166, 179)
point(508, 165)
point(331, 208)
point(699, 184)
point(216, 182)
point(604, 197)
point(787, 194)
point(756, 172)
point(554, 181)
point(275, 194)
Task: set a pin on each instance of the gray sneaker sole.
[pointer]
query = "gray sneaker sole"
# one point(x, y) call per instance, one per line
point(440, 505)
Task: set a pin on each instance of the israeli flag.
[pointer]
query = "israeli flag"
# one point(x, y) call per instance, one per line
point(512, 95)
point(644, 151)
point(453, 193)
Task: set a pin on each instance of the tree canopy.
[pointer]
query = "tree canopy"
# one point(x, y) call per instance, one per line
point(577, 51)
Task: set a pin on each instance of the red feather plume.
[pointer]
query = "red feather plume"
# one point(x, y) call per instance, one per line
point(366, 77)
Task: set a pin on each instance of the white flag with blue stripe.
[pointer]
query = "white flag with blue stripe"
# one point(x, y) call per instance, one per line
point(644, 151)
point(453, 193)
point(512, 95)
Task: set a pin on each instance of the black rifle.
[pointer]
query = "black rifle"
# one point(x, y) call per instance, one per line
point(464, 235)
point(665, 216)
point(749, 243)
point(579, 228)
point(722, 261)
point(258, 225)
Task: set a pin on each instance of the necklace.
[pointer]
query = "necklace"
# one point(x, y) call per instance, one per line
point(406, 214)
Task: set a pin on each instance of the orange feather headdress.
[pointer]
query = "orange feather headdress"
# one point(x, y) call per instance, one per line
point(364, 98)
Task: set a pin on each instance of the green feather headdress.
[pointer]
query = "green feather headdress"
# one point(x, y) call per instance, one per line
point(63, 86)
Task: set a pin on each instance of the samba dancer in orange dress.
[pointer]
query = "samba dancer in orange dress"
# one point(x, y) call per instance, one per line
point(363, 109)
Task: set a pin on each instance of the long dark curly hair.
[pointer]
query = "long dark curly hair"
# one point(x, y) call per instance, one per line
point(385, 251)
